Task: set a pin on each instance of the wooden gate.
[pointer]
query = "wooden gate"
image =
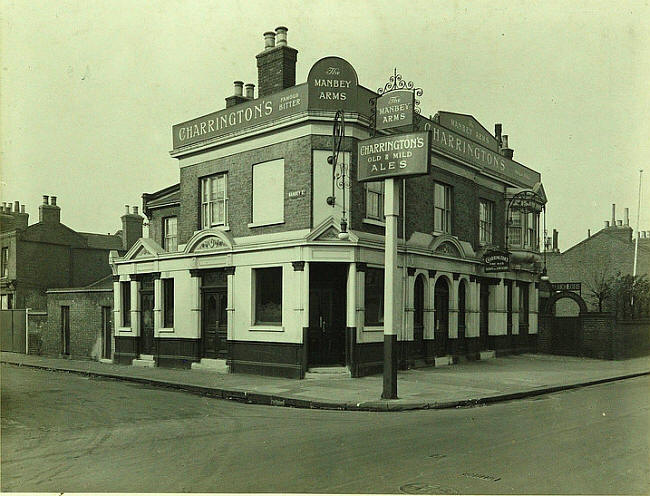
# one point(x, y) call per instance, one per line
point(13, 327)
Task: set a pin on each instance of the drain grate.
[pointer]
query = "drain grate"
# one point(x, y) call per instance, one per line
point(424, 488)
point(484, 477)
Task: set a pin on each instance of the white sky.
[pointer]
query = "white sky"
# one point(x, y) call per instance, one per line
point(90, 89)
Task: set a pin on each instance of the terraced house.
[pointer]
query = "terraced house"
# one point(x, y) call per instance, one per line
point(245, 267)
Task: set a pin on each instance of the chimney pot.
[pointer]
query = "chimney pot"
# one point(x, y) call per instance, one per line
point(589, 233)
point(16, 206)
point(497, 131)
point(22, 209)
point(281, 35)
point(238, 88)
point(269, 40)
point(135, 210)
point(126, 207)
point(505, 141)
point(250, 91)
point(46, 200)
point(619, 223)
point(613, 214)
point(53, 200)
point(627, 216)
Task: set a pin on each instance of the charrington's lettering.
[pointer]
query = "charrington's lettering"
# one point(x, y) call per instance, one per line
point(394, 155)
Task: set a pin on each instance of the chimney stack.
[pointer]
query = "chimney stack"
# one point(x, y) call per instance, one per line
point(606, 223)
point(589, 233)
point(505, 150)
point(627, 216)
point(131, 227)
point(497, 133)
point(613, 224)
point(555, 236)
point(49, 213)
point(238, 96)
point(276, 65)
point(250, 91)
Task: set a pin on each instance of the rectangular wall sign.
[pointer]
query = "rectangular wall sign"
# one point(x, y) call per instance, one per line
point(394, 155)
point(567, 286)
point(496, 261)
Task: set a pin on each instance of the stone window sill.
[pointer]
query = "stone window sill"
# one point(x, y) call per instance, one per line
point(262, 224)
point(374, 222)
point(266, 328)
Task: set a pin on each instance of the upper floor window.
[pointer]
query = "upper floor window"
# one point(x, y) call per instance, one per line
point(486, 214)
point(170, 236)
point(214, 201)
point(441, 208)
point(4, 262)
point(523, 230)
point(375, 200)
point(268, 193)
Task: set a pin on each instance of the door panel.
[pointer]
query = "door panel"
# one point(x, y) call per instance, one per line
point(146, 320)
point(215, 324)
point(326, 328)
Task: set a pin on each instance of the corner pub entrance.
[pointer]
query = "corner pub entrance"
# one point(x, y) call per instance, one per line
point(327, 307)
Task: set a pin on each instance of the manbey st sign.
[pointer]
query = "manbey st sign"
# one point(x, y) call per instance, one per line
point(395, 109)
point(394, 155)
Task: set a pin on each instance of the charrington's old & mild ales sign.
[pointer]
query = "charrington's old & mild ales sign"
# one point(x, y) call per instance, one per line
point(393, 155)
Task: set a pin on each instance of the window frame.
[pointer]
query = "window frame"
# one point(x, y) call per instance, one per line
point(259, 222)
point(125, 303)
point(486, 226)
point(167, 303)
point(446, 217)
point(378, 282)
point(165, 235)
point(4, 262)
point(381, 197)
point(209, 198)
point(258, 275)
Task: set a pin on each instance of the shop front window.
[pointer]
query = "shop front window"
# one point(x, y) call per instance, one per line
point(268, 296)
point(374, 297)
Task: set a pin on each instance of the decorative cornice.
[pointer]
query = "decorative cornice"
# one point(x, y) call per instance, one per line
point(432, 273)
point(229, 270)
point(410, 271)
point(456, 275)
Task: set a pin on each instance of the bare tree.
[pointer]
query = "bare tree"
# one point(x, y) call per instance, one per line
point(599, 284)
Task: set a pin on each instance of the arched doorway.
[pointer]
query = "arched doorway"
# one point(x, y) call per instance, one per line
point(462, 295)
point(418, 318)
point(563, 313)
point(441, 306)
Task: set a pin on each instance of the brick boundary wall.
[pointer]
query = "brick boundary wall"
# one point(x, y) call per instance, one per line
point(633, 338)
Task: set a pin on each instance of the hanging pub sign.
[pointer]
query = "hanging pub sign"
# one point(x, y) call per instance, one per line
point(567, 286)
point(394, 155)
point(395, 109)
point(496, 261)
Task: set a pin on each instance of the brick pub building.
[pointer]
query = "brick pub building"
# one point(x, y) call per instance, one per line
point(244, 267)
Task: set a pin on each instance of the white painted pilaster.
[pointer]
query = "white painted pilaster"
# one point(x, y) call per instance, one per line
point(157, 305)
point(230, 305)
point(351, 304)
point(533, 304)
point(515, 308)
point(472, 320)
point(497, 315)
point(117, 307)
point(453, 309)
point(135, 308)
point(195, 305)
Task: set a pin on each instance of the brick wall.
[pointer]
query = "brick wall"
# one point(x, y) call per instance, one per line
point(85, 322)
point(632, 338)
point(297, 213)
point(598, 335)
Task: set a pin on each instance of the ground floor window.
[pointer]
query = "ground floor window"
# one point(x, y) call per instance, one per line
point(168, 303)
point(7, 301)
point(374, 297)
point(268, 296)
point(126, 303)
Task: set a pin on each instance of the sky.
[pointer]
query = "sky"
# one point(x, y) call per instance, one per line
point(89, 89)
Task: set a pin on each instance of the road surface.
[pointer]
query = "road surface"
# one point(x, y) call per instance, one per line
point(65, 432)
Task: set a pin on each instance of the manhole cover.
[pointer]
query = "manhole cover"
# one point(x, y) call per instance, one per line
point(424, 488)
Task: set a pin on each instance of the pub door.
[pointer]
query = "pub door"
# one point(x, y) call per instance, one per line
point(418, 318)
point(441, 305)
point(146, 322)
point(327, 299)
point(214, 326)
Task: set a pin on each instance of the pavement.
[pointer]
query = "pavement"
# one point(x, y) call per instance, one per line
point(455, 386)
